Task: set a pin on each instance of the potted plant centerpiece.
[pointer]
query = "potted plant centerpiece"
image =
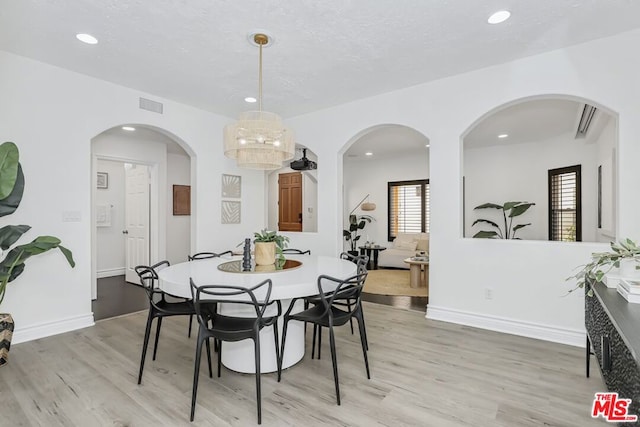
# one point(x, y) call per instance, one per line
point(11, 189)
point(268, 244)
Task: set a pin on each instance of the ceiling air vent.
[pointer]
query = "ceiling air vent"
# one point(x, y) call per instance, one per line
point(149, 105)
point(585, 120)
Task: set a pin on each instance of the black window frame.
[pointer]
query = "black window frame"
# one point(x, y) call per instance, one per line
point(577, 169)
point(423, 183)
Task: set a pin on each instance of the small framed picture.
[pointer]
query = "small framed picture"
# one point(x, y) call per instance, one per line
point(182, 200)
point(103, 180)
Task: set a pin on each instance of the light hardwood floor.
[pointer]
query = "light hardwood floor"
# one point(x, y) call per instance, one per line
point(424, 373)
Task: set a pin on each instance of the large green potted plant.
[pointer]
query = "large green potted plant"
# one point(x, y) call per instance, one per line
point(509, 211)
point(356, 224)
point(11, 189)
point(268, 245)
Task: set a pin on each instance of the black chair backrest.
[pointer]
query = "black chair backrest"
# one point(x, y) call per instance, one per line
point(207, 295)
point(296, 251)
point(361, 261)
point(207, 255)
point(148, 275)
point(341, 293)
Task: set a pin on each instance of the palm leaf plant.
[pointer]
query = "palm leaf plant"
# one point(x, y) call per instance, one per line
point(11, 190)
point(509, 211)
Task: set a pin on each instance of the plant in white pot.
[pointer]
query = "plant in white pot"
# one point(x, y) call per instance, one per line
point(13, 263)
point(624, 255)
point(268, 245)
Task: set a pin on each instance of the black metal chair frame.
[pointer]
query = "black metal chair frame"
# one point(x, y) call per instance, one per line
point(294, 251)
point(206, 255)
point(338, 305)
point(203, 255)
point(159, 307)
point(226, 328)
point(361, 262)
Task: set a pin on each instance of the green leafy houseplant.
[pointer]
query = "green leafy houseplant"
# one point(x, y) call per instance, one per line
point(266, 236)
point(11, 189)
point(356, 223)
point(602, 262)
point(509, 210)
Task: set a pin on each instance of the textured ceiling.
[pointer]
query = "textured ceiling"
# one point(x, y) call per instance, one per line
point(326, 52)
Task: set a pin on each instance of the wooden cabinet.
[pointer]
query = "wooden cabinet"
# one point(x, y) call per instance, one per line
point(613, 333)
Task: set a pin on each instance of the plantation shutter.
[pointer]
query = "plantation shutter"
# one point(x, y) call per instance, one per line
point(408, 207)
point(565, 217)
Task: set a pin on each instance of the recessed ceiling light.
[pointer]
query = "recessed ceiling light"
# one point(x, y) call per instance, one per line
point(503, 135)
point(250, 99)
point(498, 17)
point(427, 145)
point(87, 38)
point(129, 128)
point(368, 153)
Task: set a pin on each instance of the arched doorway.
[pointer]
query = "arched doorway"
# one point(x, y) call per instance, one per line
point(388, 166)
point(135, 169)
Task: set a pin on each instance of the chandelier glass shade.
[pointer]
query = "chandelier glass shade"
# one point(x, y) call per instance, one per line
point(258, 139)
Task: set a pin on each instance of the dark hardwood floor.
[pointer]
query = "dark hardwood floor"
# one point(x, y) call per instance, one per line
point(398, 301)
point(117, 297)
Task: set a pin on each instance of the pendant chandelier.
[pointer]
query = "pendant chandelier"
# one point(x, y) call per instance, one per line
point(259, 140)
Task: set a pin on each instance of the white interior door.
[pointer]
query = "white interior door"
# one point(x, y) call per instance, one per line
point(136, 219)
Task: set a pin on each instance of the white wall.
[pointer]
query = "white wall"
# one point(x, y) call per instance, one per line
point(519, 172)
point(606, 157)
point(370, 176)
point(178, 226)
point(52, 114)
point(527, 277)
point(110, 240)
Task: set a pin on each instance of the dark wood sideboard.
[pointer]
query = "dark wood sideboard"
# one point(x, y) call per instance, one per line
point(613, 333)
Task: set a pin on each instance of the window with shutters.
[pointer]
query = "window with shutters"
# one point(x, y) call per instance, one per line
point(408, 207)
point(565, 206)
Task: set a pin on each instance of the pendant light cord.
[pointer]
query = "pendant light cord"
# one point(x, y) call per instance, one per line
point(260, 81)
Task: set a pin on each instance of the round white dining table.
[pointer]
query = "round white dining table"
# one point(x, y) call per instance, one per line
point(287, 284)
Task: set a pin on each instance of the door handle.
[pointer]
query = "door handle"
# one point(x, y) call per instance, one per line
point(300, 217)
point(125, 231)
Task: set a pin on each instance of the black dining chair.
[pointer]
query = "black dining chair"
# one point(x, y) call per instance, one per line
point(207, 255)
point(227, 328)
point(340, 302)
point(294, 251)
point(159, 306)
point(361, 262)
point(203, 255)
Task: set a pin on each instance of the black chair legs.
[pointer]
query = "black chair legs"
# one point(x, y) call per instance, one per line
point(196, 372)
point(155, 345)
point(334, 361)
point(190, 323)
point(145, 343)
point(363, 340)
point(258, 392)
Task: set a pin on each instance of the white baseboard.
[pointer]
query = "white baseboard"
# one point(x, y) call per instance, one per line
point(510, 326)
point(110, 272)
point(43, 330)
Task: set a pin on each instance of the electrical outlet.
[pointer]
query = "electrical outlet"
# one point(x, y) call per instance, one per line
point(488, 293)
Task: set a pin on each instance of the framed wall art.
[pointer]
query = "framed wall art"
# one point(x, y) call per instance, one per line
point(231, 186)
point(182, 200)
point(103, 180)
point(230, 213)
